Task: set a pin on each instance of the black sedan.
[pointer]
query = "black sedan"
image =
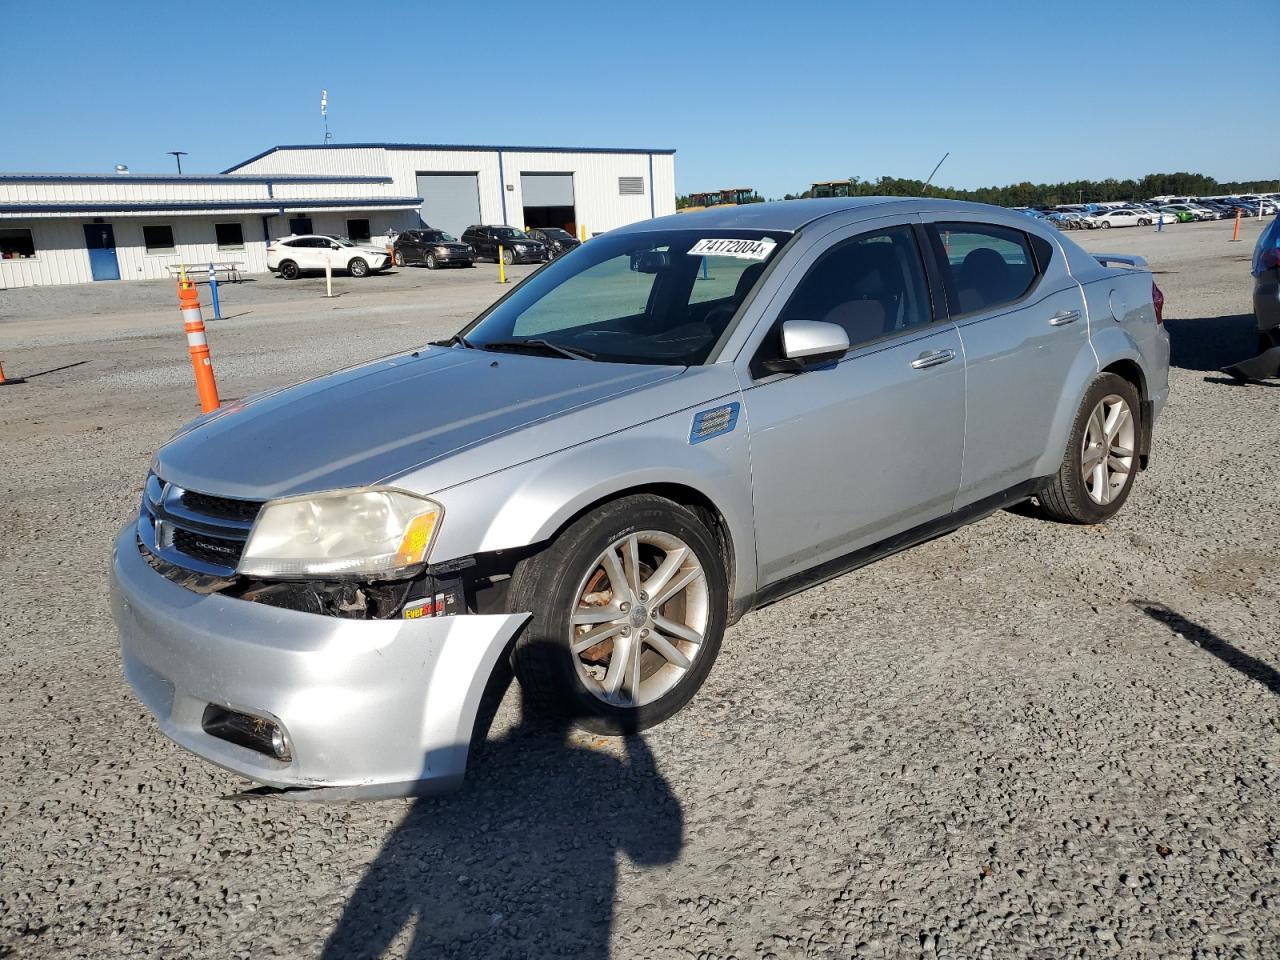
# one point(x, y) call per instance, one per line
point(435, 248)
point(557, 241)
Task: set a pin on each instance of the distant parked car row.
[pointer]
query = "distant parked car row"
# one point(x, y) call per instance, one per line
point(1162, 210)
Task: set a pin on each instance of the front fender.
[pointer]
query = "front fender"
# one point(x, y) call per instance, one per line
point(527, 504)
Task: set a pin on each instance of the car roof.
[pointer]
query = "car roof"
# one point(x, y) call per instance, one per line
point(794, 214)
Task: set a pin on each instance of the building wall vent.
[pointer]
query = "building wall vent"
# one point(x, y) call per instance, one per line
point(631, 186)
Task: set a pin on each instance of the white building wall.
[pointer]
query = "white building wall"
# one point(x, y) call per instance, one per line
point(597, 200)
point(61, 256)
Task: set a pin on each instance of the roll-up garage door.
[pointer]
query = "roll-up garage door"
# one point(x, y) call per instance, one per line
point(450, 201)
point(548, 200)
point(547, 189)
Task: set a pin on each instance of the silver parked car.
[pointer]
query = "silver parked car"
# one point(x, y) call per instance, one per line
point(639, 444)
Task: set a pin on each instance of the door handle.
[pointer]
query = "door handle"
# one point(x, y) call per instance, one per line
point(932, 358)
point(1063, 317)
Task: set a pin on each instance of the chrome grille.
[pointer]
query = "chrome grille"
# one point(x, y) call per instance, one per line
point(195, 531)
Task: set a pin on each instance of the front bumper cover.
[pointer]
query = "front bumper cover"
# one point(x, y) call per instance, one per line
point(372, 708)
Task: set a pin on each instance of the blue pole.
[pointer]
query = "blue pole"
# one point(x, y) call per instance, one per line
point(1160, 223)
point(213, 292)
point(704, 269)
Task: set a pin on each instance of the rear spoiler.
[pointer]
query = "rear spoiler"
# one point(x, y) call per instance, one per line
point(1130, 260)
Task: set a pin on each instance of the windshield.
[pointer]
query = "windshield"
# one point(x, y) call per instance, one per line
point(510, 233)
point(438, 236)
point(557, 234)
point(661, 297)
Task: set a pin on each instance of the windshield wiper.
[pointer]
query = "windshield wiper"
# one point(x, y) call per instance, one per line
point(541, 346)
point(457, 340)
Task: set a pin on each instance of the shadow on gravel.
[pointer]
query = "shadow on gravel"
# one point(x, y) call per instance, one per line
point(1210, 642)
point(1210, 343)
point(522, 861)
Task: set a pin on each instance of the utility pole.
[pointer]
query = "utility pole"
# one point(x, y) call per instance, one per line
point(177, 155)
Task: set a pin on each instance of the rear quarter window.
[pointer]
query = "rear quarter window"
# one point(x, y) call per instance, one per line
point(984, 265)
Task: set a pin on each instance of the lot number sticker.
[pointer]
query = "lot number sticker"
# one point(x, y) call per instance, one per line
point(741, 249)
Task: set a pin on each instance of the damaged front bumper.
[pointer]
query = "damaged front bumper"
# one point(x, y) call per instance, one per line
point(360, 708)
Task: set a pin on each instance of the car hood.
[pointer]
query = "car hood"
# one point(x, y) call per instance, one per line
point(373, 422)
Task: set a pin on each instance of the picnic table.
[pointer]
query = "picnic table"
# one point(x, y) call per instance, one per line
point(222, 270)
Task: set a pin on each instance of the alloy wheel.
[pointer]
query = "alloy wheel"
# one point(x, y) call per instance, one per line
point(639, 617)
point(1106, 460)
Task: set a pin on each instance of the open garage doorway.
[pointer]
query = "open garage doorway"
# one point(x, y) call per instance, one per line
point(548, 201)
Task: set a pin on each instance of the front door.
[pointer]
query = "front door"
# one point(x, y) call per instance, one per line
point(101, 241)
point(848, 455)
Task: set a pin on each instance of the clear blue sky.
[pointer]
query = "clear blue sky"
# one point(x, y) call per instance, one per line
point(771, 95)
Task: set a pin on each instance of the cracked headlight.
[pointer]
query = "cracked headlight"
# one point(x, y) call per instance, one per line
point(370, 532)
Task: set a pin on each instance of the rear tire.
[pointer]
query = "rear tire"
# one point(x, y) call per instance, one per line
point(1101, 460)
point(358, 268)
point(289, 270)
point(574, 590)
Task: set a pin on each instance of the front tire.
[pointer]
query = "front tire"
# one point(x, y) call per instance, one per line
point(629, 606)
point(1106, 224)
point(358, 268)
point(1101, 461)
point(431, 261)
point(508, 257)
point(398, 257)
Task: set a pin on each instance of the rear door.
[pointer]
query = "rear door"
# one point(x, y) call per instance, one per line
point(850, 454)
point(1021, 318)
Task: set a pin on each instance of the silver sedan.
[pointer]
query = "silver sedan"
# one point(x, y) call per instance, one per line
point(674, 424)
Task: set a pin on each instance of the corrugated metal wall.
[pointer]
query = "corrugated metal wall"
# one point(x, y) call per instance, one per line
point(599, 203)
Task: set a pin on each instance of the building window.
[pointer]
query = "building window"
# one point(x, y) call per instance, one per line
point(158, 238)
point(299, 226)
point(16, 244)
point(230, 236)
point(631, 186)
point(358, 230)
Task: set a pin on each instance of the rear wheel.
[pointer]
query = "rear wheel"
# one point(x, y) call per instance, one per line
point(628, 611)
point(1101, 461)
point(289, 270)
point(358, 268)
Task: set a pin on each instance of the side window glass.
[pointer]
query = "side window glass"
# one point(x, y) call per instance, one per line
point(872, 285)
point(986, 266)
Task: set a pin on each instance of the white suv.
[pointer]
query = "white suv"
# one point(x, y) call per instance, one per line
point(291, 256)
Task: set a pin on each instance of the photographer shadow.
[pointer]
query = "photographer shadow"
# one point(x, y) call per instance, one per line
point(523, 860)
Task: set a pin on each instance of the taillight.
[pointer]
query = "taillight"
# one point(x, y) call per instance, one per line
point(1271, 258)
point(1157, 300)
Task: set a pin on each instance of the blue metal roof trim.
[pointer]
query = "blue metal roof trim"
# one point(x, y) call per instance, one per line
point(186, 178)
point(479, 148)
point(300, 204)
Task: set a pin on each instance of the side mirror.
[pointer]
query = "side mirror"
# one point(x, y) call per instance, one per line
point(807, 343)
point(334, 246)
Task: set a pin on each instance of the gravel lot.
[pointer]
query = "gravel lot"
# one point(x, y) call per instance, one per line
point(1020, 740)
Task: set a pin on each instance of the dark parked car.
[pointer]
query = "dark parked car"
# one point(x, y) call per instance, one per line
point(1266, 290)
point(435, 248)
point(557, 241)
point(517, 246)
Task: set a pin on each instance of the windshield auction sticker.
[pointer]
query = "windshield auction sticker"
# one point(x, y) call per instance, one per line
point(741, 249)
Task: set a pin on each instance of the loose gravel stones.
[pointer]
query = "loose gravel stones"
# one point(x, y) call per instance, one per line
point(1022, 740)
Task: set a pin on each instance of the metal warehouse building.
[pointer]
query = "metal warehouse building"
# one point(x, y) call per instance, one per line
point(71, 228)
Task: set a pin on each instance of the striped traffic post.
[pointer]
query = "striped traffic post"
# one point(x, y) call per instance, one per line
point(213, 292)
point(197, 345)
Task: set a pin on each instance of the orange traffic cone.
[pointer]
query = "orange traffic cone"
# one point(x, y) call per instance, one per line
point(197, 345)
point(10, 382)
